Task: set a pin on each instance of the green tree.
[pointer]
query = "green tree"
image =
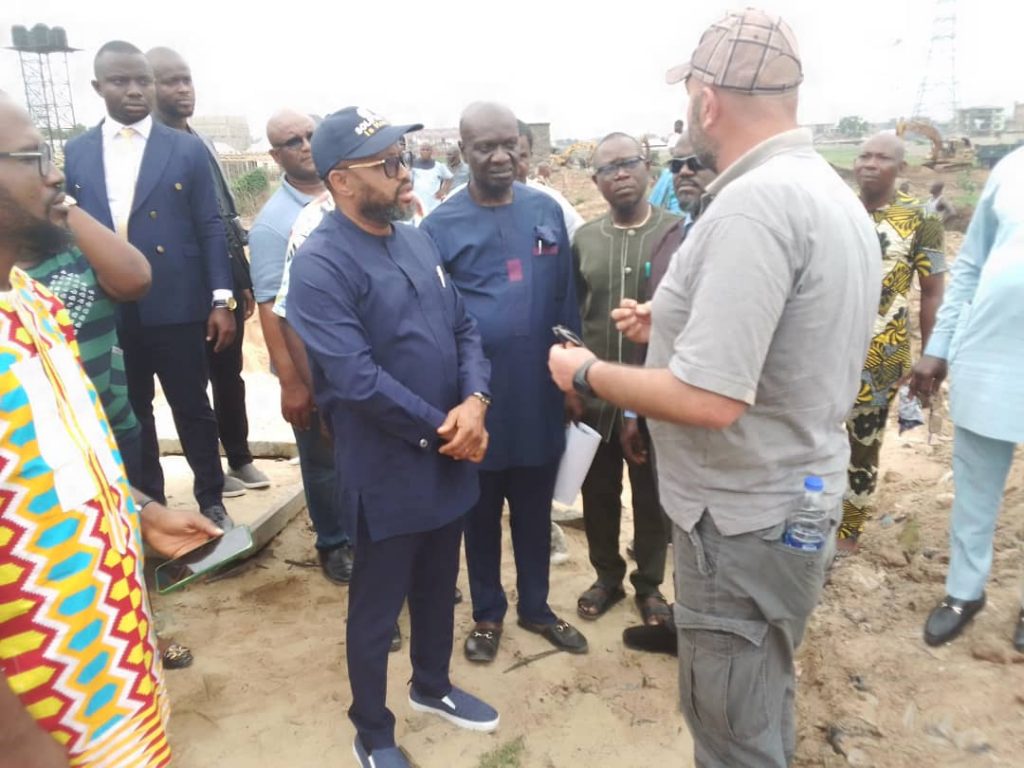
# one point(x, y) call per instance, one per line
point(852, 126)
point(250, 191)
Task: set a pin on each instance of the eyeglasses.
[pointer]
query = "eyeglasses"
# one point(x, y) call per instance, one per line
point(43, 156)
point(295, 142)
point(676, 164)
point(390, 163)
point(615, 166)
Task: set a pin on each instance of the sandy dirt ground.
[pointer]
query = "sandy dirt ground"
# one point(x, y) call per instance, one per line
point(269, 688)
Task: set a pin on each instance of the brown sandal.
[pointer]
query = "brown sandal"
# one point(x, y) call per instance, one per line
point(653, 609)
point(596, 601)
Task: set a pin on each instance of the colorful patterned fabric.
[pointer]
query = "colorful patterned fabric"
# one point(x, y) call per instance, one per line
point(866, 428)
point(912, 241)
point(70, 276)
point(76, 642)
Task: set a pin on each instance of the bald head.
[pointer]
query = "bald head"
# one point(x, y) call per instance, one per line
point(30, 186)
point(486, 114)
point(161, 58)
point(490, 147)
point(888, 143)
point(614, 143)
point(13, 120)
point(724, 124)
point(289, 133)
point(287, 121)
point(175, 93)
point(877, 168)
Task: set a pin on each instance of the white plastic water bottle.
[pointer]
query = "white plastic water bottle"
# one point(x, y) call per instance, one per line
point(807, 527)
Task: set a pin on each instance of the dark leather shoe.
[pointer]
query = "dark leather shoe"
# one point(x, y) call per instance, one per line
point(482, 644)
point(217, 515)
point(396, 639)
point(561, 634)
point(948, 619)
point(336, 563)
point(458, 595)
point(652, 638)
point(1018, 633)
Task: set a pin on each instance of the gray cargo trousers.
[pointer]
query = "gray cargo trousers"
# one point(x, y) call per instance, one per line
point(742, 604)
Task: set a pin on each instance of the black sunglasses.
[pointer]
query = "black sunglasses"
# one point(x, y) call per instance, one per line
point(295, 142)
point(676, 164)
point(566, 335)
point(615, 166)
point(390, 164)
point(42, 156)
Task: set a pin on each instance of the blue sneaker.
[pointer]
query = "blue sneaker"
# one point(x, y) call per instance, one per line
point(392, 757)
point(459, 707)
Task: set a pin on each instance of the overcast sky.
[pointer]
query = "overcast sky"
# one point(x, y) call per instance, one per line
point(587, 71)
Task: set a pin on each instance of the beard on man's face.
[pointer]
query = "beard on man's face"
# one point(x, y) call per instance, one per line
point(36, 239)
point(385, 212)
point(704, 147)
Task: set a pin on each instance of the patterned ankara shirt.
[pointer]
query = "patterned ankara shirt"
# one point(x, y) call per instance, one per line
point(92, 313)
point(912, 241)
point(76, 643)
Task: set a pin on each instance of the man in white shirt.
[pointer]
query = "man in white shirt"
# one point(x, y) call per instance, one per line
point(431, 180)
point(153, 185)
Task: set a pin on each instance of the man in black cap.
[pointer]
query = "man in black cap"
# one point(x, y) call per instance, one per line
point(398, 369)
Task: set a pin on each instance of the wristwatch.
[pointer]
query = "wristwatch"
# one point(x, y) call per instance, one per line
point(229, 304)
point(579, 379)
point(483, 398)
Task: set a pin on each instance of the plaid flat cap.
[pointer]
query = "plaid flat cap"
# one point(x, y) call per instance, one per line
point(748, 51)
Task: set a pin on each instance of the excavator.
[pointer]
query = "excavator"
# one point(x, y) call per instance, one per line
point(577, 154)
point(950, 155)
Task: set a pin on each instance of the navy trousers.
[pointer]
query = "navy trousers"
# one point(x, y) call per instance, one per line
point(529, 491)
point(421, 567)
point(176, 354)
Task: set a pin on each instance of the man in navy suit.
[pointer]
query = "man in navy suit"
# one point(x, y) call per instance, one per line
point(400, 376)
point(153, 185)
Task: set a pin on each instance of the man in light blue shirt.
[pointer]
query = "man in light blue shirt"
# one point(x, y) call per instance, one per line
point(979, 337)
point(289, 134)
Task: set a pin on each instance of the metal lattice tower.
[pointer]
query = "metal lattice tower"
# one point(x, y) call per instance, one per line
point(43, 54)
point(936, 96)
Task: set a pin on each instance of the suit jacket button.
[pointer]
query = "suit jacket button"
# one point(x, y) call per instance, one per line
point(177, 186)
point(424, 443)
point(152, 214)
point(159, 249)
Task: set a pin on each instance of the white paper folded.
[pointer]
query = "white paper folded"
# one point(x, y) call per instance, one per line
point(581, 444)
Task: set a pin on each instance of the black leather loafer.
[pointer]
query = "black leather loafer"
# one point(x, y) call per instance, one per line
point(561, 634)
point(1018, 632)
point(482, 644)
point(652, 638)
point(948, 619)
point(396, 639)
point(336, 563)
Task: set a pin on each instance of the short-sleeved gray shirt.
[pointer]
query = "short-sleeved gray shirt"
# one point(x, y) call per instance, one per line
point(770, 300)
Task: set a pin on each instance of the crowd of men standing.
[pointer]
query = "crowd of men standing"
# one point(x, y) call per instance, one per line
point(420, 372)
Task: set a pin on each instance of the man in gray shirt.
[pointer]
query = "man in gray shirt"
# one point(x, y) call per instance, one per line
point(757, 336)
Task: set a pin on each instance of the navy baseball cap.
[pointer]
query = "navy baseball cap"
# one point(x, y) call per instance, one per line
point(353, 133)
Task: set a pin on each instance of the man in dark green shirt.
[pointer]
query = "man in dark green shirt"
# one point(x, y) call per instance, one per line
point(613, 262)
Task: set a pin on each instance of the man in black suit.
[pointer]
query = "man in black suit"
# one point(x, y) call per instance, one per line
point(153, 185)
point(175, 103)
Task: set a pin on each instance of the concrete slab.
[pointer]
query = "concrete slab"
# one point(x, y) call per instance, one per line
point(270, 437)
point(266, 512)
